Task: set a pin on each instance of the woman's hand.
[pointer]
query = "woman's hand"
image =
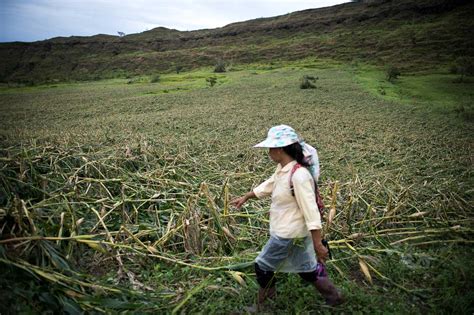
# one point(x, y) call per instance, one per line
point(238, 202)
point(319, 248)
point(321, 252)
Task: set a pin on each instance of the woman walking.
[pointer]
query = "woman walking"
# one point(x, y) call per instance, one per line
point(295, 221)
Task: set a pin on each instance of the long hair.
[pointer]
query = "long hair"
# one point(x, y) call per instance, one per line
point(295, 150)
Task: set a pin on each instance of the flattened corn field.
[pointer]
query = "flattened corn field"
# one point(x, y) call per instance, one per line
point(115, 197)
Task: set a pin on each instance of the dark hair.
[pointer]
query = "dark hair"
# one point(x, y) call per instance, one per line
point(295, 150)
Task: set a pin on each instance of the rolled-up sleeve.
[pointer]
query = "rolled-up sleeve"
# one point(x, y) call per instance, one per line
point(306, 199)
point(265, 189)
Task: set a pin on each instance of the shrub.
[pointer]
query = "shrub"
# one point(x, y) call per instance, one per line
point(308, 82)
point(392, 73)
point(212, 81)
point(178, 69)
point(464, 66)
point(465, 111)
point(453, 69)
point(220, 66)
point(155, 78)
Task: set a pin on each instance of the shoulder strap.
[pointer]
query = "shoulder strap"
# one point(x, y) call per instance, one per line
point(319, 199)
point(293, 170)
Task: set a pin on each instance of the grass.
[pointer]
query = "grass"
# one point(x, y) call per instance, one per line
point(438, 91)
point(114, 196)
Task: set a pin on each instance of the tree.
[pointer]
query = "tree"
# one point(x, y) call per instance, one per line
point(121, 34)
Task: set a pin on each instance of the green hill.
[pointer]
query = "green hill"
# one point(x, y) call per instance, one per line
point(414, 35)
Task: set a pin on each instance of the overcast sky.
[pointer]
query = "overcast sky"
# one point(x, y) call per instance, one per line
point(32, 20)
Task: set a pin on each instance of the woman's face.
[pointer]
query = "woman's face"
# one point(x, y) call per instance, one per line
point(275, 154)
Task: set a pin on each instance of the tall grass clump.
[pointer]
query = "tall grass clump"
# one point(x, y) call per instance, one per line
point(211, 81)
point(392, 73)
point(155, 78)
point(308, 82)
point(465, 111)
point(464, 66)
point(220, 67)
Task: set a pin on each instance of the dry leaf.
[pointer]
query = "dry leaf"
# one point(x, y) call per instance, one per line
point(365, 270)
point(418, 214)
point(331, 215)
point(238, 277)
point(228, 233)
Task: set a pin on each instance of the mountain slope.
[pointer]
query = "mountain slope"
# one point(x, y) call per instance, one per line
point(411, 34)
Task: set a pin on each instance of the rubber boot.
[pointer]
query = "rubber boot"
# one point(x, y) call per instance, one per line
point(325, 287)
point(263, 295)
